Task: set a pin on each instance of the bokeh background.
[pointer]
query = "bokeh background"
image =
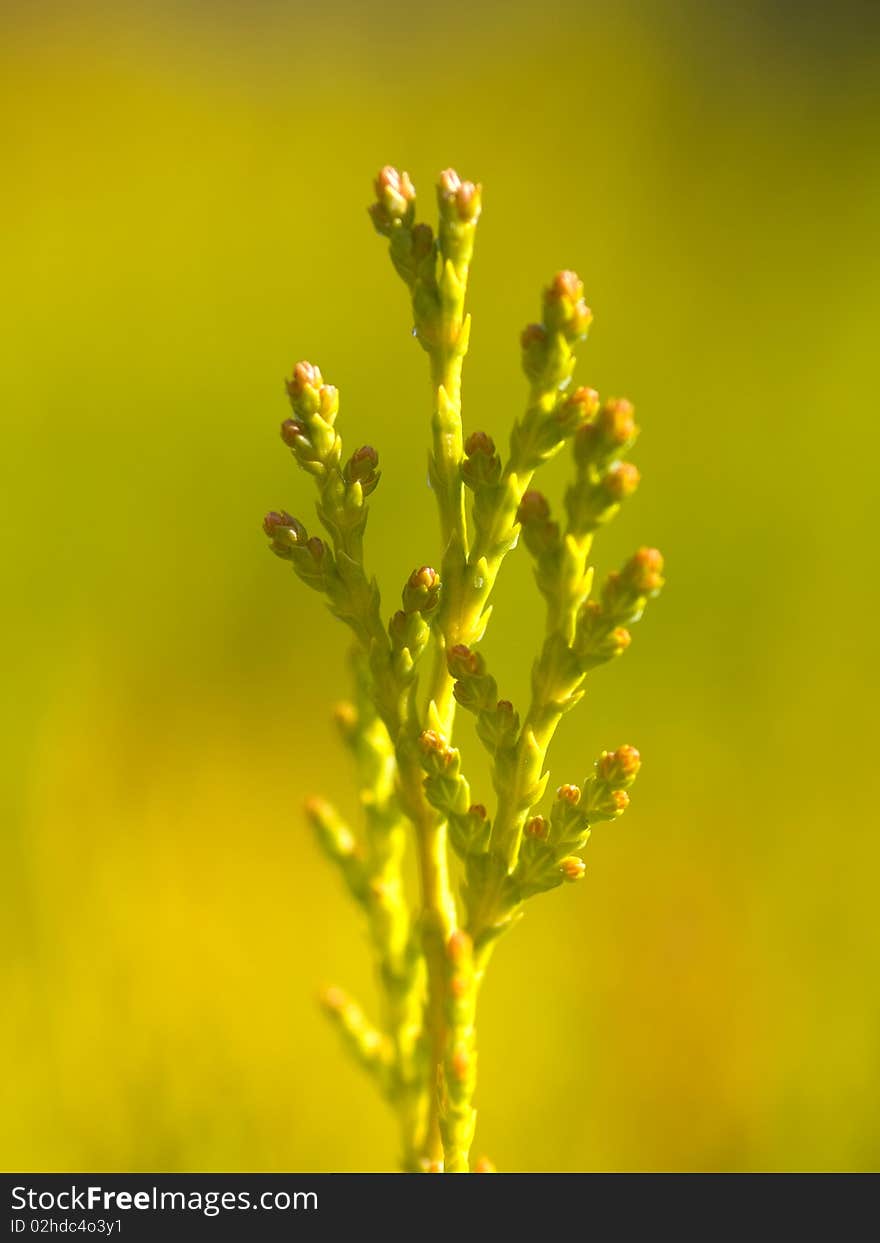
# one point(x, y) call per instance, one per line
point(183, 218)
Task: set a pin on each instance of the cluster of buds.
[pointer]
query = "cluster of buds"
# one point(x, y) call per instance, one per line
point(395, 203)
point(541, 534)
point(602, 630)
point(312, 437)
point(430, 961)
point(481, 468)
point(548, 361)
point(477, 691)
point(311, 558)
point(459, 203)
point(409, 628)
point(310, 433)
point(546, 347)
point(448, 791)
point(550, 851)
point(602, 481)
point(412, 247)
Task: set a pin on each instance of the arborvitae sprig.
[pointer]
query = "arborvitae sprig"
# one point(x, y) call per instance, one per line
point(432, 955)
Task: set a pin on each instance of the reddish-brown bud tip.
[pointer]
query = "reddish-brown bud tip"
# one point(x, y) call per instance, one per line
point(463, 662)
point(317, 548)
point(533, 335)
point(278, 520)
point(292, 431)
point(361, 465)
point(534, 507)
point(569, 794)
point(537, 827)
point(479, 442)
point(478, 811)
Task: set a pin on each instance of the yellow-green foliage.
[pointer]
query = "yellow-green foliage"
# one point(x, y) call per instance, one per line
point(432, 958)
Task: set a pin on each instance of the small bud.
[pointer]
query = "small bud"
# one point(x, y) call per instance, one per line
point(463, 196)
point(479, 442)
point(292, 431)
point(572, 867)
point(395, 194)
point(621, 639)
point(317, 548)
point(399, 628)
point(464, 663)
point(534, 351)
point(478, 811)
point(644, 571)
point(461, 1064)
point(621, 480)
point(564, 308)
point(436, 751)
point(506, 723)
point(484, 1166)
point(459, 948)
point(618, 768)
point(277, 520)
point(361, 466)
point(421, 593)
point(616, 422)
point(576, 410)
point(533, 508)
point(305, 376)
point(538, 828)
point(569, 794)
point(431, 741)
point(346, 718)
point(482, 465)
point(334, 1000)
point(422, 243)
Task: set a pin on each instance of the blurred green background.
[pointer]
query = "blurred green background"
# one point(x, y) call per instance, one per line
point(183, 218)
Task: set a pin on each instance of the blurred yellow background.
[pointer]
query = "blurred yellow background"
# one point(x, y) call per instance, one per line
point(183, 218)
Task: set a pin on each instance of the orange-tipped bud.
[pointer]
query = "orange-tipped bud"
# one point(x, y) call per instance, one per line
point(464, 197)
point(619, 768)
point(621, 480)
point(421, 593)
point(564, 308)
point(538, 828)
point(569, 794)
point(644, 571)
point(572, 868)
point(305, 376)
point(464, 663)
